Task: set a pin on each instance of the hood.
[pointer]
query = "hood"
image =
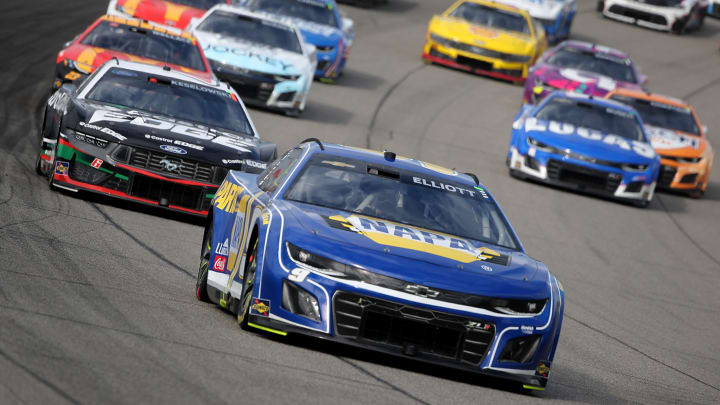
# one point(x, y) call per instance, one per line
point(677, 143)
point(460, 30)
point(580, 81)
point(418, 255)
point(162, 133)
point(591, 143)
point(162, 12)
point(544, 9)
point(251, 56)
point(94, 57)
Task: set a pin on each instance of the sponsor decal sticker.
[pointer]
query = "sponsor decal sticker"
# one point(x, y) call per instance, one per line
point(62, 168)
point(103, 130)
point(260, 307)
point(527, 329)
point(219, 263)
point(543, 369)
point(478, 325)
point(96, 163)
point(255, 164)
point(173, 149)
point(486, 267)
point(222, 248)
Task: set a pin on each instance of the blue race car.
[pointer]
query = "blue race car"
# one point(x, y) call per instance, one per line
point(576, 141)
point(382, 252)
point(321, 24)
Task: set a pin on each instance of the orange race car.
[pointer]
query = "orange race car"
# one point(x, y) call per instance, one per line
point(677, 136)
point(129, 39)
point(175, 13)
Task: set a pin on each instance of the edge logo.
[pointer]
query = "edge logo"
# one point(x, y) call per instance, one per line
point(173, 149)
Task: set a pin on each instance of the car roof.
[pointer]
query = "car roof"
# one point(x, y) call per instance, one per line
point(595, 48)
point(166, 72)
point(650, 97)
point(245, 12)
point(496, 4)
point(150, 26)
point(591, 100)
point(400, 162)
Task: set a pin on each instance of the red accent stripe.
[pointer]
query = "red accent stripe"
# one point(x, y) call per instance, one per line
point(157, 176)
point(66, 179)
point(45, 157)
point(452, 64)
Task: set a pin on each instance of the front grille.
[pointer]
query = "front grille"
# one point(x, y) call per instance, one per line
point(117, 184)
point(481, 51)
point(531, 163)
point(474, 63)
point(637, 14)
point(87, 174)
point(667, 174)
point(250, 87)
point(176, 194)
point(689, 178)
point(634, 187)
point(583, 176)
point(286, 96)
point(160, 163)
point(323, 64)
point(411, 330)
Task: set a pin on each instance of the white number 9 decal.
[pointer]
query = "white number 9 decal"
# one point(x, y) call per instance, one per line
point(298, 275)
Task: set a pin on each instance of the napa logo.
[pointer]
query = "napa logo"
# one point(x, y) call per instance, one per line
point(392, 234)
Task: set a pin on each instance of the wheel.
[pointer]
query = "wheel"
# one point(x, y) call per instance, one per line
point(294, 112)
point(248, 285)
point(201, 291)
point(600, 6)
point(641, 203)
point(697, 193)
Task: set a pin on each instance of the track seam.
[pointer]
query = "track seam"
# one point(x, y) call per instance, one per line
point(643, 353)
point(389, 384)
point(47, 383)
point(384, 98)
point(687, 235)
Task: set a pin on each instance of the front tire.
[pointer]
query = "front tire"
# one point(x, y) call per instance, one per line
point(600, 6)
point(248, 286)
point(201, 291)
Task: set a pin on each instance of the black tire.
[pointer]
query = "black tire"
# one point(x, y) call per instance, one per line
point(248, 285)
point(641, 203)
point(51, 172)
point(600, 6)
point(201, 291)
point(697, 193)
point(294, 112)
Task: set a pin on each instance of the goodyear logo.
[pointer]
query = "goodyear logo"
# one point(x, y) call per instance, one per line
point(407, 237)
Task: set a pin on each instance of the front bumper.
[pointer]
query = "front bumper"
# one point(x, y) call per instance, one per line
point(131, 174)
point(644, 15)
point(568, 172)
point(264, 91)
point(330, 63)
point(683, 176)
point(470, 62)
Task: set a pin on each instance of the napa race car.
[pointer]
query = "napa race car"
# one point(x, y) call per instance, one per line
point(388, 253)
point(556, 16)
point(321, 25)
point(485, 37)
point(677, 136)
point(265, 60)
point(677, 16)
point(148, 134)
point(591, 145)
point(128, 39)
point(582, 67)
point(173, 13)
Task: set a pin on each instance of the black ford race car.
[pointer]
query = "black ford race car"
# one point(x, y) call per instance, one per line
point(148, 134)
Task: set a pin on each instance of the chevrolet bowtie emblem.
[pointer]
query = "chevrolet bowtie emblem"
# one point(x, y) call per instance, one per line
point(421, 291)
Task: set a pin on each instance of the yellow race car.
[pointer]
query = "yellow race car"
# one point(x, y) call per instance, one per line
point(485, 37)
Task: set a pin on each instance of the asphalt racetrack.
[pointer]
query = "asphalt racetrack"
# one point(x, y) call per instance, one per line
point(97, 299)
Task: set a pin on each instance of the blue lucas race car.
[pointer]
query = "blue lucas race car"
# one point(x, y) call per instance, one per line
point(576, 141)
point(385, 253)
point(321, 25)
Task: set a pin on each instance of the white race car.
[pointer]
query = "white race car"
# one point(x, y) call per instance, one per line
point(265, 60)
point(555, 15)
point(676, 16)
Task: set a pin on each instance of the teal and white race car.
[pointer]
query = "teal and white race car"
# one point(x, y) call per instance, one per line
point(265, 60)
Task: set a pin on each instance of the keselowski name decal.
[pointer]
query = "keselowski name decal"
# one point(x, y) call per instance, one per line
point(561, 128)
point(388, 233)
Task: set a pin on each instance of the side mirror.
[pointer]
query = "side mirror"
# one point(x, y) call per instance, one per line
point(191, 25)
point(348, 26)
point(642, 79)
point(312, 52)
point(705, 129)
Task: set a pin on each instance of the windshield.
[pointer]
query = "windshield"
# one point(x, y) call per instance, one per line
point(662, 115)
point(174, 98)
point(491, 17)
point(202, 4)
point(596, 62)
point(401, 196)
point(259, 31)
point(312, 11)
point(592, 116)
point(148, 44)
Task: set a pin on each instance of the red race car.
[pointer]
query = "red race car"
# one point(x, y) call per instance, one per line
point(175, 13)
point(129, 39)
